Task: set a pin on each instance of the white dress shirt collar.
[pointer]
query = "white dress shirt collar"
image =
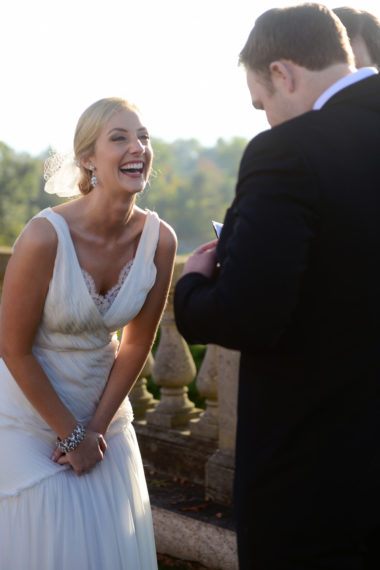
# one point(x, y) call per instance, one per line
point(345, 81)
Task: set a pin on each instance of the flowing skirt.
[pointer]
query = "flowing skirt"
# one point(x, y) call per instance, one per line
point(99, 521)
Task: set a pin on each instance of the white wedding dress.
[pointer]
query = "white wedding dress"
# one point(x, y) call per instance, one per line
point(51, 519)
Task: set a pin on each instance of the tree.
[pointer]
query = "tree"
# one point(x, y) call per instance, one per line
point(190, 186)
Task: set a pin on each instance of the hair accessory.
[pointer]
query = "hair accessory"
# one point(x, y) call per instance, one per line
point(73, 440)
point(62, 175)
point(94, 180)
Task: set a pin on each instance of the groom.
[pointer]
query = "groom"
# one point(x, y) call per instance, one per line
point(294, 284)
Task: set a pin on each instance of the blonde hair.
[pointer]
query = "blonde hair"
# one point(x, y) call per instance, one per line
point(89, 126)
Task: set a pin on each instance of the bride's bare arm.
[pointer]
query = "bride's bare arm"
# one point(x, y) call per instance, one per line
point(25, 288)
point(138, 335)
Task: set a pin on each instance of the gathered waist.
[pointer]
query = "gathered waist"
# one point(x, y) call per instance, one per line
point(76, 347)
point(16, 412)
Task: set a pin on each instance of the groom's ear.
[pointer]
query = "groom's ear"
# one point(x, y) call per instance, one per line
point(282, 75)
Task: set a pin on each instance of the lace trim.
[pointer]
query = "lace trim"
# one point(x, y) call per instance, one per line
point(103, 302)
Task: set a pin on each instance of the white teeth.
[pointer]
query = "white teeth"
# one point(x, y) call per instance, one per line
point(132, 166)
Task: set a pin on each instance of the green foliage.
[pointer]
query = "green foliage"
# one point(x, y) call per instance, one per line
point(191, 185)
point(21, 192)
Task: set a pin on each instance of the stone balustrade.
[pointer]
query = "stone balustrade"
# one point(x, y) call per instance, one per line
point(173, 370)
point(175, 436)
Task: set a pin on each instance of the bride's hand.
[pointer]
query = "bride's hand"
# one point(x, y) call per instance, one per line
point(88, 453)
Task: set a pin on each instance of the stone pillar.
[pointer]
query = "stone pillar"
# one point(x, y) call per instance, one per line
point(220, 467)
point(207, 386)
point(173, 370)
point(141, 399)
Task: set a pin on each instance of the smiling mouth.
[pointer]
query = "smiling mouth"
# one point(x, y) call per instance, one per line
point(132, 168)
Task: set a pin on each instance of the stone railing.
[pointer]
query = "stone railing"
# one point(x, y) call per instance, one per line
point(175, 436)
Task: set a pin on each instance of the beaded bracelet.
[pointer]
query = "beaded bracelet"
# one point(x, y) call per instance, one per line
point(73, 440)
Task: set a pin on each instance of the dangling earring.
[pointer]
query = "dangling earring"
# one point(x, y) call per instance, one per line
point(94, 180)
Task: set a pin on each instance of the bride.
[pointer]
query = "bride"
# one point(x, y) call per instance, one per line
point(72, 488)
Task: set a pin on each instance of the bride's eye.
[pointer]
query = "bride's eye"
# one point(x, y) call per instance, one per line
point(118, 138)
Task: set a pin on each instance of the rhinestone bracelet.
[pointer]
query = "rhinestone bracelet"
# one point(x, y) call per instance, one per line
point(73, 440)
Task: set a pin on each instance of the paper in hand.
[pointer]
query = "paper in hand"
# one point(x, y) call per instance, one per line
point(217, 227)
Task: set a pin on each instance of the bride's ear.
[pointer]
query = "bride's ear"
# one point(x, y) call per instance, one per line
point(86, 162)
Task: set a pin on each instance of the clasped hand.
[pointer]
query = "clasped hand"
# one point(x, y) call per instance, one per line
point(84, 458)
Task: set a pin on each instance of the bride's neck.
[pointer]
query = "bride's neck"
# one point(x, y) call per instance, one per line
point(107, 215)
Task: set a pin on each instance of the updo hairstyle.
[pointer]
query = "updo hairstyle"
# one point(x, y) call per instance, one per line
point(89, 126)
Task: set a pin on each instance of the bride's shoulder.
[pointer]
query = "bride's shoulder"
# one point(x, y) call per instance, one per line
point(167, 240)
point(37, 238)
point(167, 235)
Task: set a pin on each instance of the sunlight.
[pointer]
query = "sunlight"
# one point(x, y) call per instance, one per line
point(179, 67)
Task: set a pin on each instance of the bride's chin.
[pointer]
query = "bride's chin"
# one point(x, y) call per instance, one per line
point(135, 191)
point(134, 184)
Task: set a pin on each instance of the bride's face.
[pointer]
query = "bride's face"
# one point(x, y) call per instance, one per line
point(123, 153)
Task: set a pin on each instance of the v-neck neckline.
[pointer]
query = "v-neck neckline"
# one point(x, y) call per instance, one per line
point(109, 297)
point(80, 269)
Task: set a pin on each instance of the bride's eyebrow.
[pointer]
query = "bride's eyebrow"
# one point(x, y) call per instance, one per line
point(117, 129)
point(141, 129)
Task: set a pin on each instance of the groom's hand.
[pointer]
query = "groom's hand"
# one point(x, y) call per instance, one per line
point(202, 260)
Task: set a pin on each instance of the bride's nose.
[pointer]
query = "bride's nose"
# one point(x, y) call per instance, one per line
point(136, 146)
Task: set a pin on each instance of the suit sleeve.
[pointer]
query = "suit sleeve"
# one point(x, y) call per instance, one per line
point(268, 234)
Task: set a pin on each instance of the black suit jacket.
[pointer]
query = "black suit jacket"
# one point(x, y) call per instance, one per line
point(298, 293)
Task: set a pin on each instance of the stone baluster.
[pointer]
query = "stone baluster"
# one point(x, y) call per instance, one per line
point(173, 370)
point(220, 466)
point(207, 386)
point(141, 399)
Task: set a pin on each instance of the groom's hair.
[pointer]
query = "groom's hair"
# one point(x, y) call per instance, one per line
point(309, 35)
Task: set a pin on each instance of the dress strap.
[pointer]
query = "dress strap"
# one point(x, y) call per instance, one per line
point(147, 246)
point(58, 223)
